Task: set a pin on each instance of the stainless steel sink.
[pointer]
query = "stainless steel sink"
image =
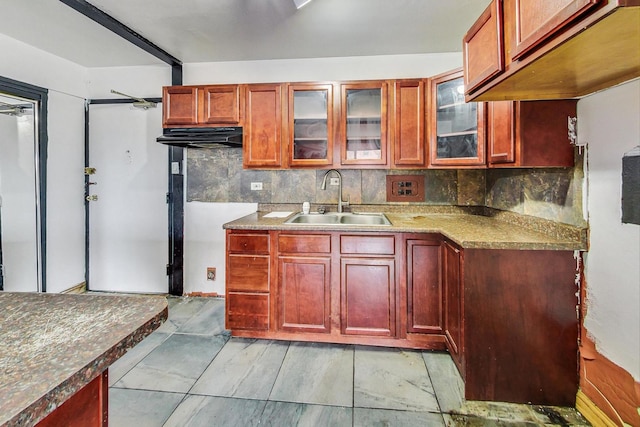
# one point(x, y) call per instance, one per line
point(334, 218)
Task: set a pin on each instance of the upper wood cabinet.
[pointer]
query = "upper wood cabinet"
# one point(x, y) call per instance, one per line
point(533, 21)
point(221, 105)
point(457, 131)
point(179, 105)
point(363, 123)
point(556, 49)
point(483, 47)
point(408, 146)
point(196, 106)
point(529, 133)
point(262, 145)
point(310, 125)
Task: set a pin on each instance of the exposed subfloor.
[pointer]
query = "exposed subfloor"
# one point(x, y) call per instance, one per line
point(190, 372)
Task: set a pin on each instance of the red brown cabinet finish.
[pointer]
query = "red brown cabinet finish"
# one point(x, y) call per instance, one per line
point(409, 148)
point(262, 144)
point(482, 48)
point(529, 133)
point(507, 317)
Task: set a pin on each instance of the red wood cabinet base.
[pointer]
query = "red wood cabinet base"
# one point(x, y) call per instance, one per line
point(87, 408)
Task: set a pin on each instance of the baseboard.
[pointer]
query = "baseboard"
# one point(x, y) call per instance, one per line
point(77, 289)
point(591, 412)
point(204, 294)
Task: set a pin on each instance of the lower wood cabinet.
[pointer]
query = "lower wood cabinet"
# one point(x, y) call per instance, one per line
point(424, 285)
point(507, 317)
point(304, 283)
point(248, 281)
point(368, 296)
point(453, 292)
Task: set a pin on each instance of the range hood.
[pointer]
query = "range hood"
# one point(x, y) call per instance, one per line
point(214, 137)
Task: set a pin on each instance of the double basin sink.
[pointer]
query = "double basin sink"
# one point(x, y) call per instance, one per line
point(334, 218)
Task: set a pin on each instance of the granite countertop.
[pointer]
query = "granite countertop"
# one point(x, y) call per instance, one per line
point(55, 344)
point(472, 229)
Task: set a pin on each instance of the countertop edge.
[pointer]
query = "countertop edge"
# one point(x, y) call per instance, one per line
point(256, 221)
point(42, 407)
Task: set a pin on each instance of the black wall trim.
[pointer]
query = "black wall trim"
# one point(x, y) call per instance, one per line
point(176, 181)
point(122, 30)
point(41, 95)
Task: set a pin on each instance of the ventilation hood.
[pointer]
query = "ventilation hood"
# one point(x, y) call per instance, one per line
point(218, 137)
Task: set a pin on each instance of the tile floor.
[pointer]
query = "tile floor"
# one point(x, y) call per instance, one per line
point(190, 372)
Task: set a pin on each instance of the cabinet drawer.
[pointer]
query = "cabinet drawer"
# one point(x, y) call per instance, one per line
point(304, 244)
point(249, 243)
point(247, 311)
point(248, 273)
point(372, 245)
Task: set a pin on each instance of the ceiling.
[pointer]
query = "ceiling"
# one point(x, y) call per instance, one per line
point(238, 30)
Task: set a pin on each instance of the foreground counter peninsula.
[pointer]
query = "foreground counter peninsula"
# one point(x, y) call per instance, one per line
point(57, 348)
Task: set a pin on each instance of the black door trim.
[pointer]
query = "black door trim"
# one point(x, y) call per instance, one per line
point(41, 96)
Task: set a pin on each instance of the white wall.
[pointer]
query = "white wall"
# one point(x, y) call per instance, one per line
point(66, 82)
point(609, 122)
point(204, 237)
point(322, 69)
point(141, 82)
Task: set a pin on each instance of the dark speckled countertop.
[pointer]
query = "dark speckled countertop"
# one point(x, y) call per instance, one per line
point(470, 228)
point(52, 345)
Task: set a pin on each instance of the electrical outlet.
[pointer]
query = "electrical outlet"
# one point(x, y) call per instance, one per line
point(334, 181)
point(256, 186)
point(211, 273)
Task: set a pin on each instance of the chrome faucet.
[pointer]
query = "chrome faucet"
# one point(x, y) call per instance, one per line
point(323, 186)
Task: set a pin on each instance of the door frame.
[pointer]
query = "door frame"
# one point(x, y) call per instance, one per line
point(40, 97)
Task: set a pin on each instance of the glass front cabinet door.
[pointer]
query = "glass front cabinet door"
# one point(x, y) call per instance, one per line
point(310, 125)
point(457, 128)
point(363, 125)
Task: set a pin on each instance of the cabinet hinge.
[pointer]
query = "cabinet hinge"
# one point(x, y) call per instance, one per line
point(169, 198)
point(169, 269)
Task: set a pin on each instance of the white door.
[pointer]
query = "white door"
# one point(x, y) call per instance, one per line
point(19, 259)
point(128, 242)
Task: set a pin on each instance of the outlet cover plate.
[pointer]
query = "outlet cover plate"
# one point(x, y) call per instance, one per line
point(405, 188)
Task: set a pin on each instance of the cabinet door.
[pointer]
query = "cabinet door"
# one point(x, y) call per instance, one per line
point(501, 138)
point(453, 303)
point(533, 21)
point(529, 133)
point(180, 105)
point(220, 105)
point(310, 125)
point(304, 294)
point(483, 48)
point(262, 147)
point(424, 287)
point(363, 124)
point(368, 303)
point(457, 131)
point(409, 141)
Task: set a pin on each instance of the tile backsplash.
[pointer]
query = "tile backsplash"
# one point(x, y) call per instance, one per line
point(217, 176)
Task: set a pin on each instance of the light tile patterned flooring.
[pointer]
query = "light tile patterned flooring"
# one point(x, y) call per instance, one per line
point(189, 372)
